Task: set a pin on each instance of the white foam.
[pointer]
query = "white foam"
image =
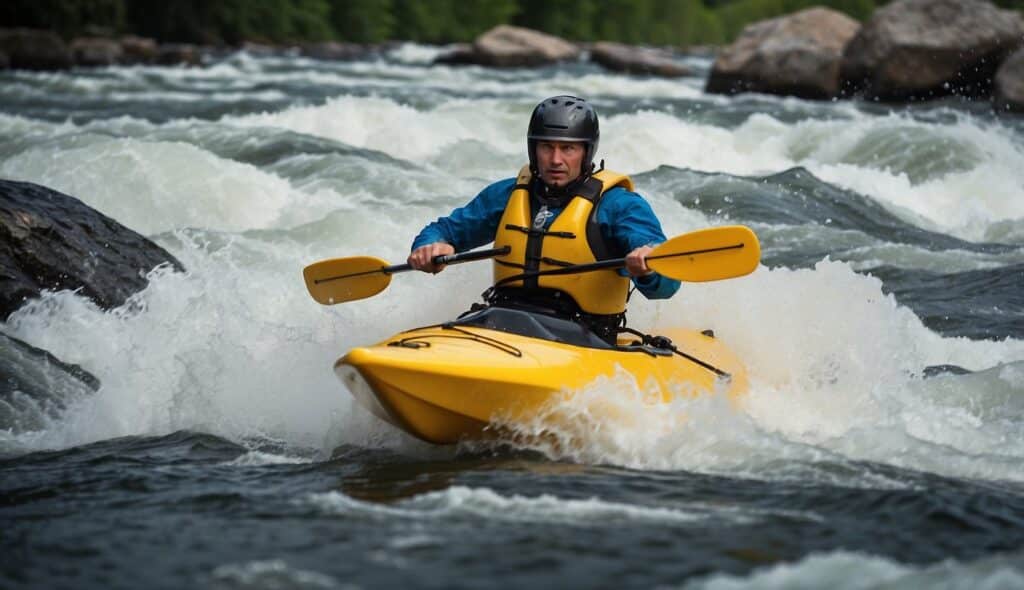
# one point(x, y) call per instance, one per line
point(919, 258)
point(459, 502)
point(968, 195)
point(966, 173)
point(966, 204)
point(158, 186)
point(835, 369)
point(258, 458)
point(415, 53)
point(234, 347)
point(272, 573)
point(393, 128)
point(844, 570)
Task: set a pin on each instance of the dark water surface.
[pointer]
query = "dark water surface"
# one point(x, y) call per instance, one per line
point(183, 511)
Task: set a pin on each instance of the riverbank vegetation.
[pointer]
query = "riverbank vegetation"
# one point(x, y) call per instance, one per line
point(657, 22)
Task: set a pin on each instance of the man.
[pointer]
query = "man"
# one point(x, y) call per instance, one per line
point(558, 212)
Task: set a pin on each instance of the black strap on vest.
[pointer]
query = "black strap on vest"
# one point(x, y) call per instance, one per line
point(544, 259)
point(601, 249)
point(591, 190)
point(540, 232)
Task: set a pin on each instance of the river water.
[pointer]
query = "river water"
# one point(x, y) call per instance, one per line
point(881, 444)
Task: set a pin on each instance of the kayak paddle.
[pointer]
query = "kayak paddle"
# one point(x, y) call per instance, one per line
point(710, 254)
point(357, 277)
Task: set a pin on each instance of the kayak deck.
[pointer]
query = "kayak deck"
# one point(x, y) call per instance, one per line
point(449, 382)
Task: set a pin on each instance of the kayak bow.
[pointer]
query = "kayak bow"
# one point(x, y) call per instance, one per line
point(451, 382)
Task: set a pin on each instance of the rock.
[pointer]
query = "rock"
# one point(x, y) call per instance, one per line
point(795, 55)
point(940, 370)
point(919, 49)
point(457, 54)
point(506, 46)
point(637, 60)
point(31, 49)
point(4, 61)
point(49, 240)
point(701, 51)
point(173, 54)
point(94, 51)
point(138, 50)
point(36, 386)
point(1009, 84)
point(334, 51)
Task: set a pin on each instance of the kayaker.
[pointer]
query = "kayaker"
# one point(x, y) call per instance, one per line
point(559, 211)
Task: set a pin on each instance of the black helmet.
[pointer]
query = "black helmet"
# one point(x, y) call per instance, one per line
point(563, 118)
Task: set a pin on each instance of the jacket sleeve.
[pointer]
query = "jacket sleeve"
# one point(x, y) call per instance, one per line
point(627, 219)
point(472, 225)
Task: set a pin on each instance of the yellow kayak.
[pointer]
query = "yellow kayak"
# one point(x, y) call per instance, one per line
point(448, 382)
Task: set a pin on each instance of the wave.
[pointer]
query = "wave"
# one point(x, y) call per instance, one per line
point(360, 155)
point(463, 503)
point(846, 570)
point(840, 379)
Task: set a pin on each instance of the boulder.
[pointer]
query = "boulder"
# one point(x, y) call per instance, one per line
point(173, 54)
point(920, 49)
point(457, 54)
point(31, 49)
point(96, 51)
point(506, 46)
point(36, 386)
point(49, 240)
point(333, 51)
point(138, 50)
point(637, 60)
point(1009, 84)
point(795, 55)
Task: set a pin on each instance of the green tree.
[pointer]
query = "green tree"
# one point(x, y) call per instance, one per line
point(472, 17)
point(185, 20)
point(421, 20)
point(310, 20)
point(231, 21)
point(628, 21)
point(572, 19)
point(363, 21)
point(235, 21)
point(67, 18)
point(444, 21)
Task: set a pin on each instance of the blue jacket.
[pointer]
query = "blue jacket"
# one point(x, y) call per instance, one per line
point(626, 221)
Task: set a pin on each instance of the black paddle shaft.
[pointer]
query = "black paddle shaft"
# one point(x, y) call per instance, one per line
point(440, 259)
point(613, 263)
point(452, 259)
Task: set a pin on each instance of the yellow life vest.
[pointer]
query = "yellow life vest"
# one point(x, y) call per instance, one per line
point(562, 244)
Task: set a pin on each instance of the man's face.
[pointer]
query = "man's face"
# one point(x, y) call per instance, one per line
point(559, 162)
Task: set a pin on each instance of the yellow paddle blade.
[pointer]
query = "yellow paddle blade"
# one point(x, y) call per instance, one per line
point(346, 279)
point(710, 254)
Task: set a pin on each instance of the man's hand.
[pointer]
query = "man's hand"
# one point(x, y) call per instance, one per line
point(422, 258)
point(635, 263)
